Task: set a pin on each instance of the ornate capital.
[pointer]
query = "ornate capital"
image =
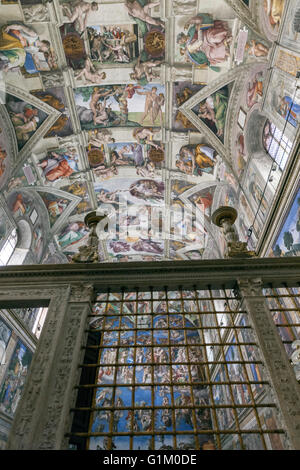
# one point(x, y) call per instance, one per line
point(81, 292)
point(251, 287)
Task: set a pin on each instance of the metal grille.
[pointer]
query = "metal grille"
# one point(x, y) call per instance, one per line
point(173, 370)
point(284, 304)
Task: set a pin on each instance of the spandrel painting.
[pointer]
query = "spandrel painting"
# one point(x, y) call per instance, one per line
point(15, 376)
point(55, 205)
point(120, 105)
point(80, 189)
point(25, 118)
point(20, 204)
point(182, 92)
point(5, 156)
point(25, 176)
point(70, 236)
point(56, 98)
point(288, 241)
point(213, 110)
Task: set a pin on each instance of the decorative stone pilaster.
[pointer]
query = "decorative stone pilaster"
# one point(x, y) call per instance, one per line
point(43, 415)
point(295, 358)
point(285, 387)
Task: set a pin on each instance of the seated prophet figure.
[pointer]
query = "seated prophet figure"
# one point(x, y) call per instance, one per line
point(21, 46)
point(55, 166)
point(206, 42)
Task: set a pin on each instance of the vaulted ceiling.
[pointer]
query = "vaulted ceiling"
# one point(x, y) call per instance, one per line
point(155, 113)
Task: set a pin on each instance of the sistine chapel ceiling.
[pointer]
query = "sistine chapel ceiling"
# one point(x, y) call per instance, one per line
point(147, 112)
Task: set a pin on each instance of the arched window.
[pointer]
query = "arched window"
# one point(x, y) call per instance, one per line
point(8, 248)
point(276, 144)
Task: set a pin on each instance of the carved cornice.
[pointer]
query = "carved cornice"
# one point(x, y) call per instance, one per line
point(144, 274)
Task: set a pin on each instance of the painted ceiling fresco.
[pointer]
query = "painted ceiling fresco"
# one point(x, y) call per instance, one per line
point(151, 112)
